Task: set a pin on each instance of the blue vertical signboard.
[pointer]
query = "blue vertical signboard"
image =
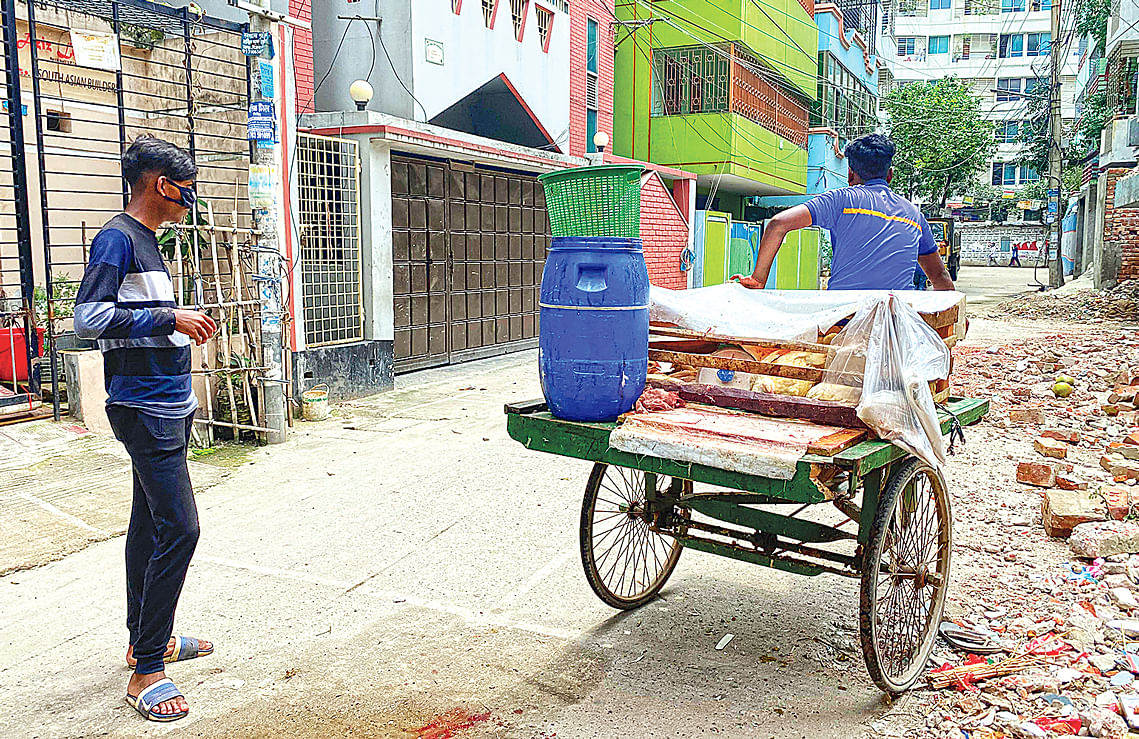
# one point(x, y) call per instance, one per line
point(262, 124)
point(1053, 205)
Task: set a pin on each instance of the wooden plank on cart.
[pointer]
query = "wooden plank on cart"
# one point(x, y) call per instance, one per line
point(785, 406)
point(830, 445)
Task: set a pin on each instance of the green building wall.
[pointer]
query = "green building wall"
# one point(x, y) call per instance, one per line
point(780, 32)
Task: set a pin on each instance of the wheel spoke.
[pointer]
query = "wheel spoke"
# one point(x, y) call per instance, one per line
point(909, 577)
point(628, 558)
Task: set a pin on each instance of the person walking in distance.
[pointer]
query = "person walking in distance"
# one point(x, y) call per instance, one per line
point(126, 301)
point(1015, 261)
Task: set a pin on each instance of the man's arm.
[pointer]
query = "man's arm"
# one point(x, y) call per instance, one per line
point(935, 270)
point(930, 260)
point(782, 224)
point(98, 317)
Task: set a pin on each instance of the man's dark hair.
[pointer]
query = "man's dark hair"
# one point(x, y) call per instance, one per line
point(150, 154)
point(870, 156)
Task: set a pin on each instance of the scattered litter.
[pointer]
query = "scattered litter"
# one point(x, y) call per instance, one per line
point(724, 641)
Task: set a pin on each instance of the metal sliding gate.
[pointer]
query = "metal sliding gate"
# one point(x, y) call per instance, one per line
point(19, 388)
point(468, 246)
point(142, 68)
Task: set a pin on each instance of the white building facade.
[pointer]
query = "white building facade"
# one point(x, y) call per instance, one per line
point(1000, 47)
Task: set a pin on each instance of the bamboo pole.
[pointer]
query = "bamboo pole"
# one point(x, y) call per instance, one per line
point(241, 295)
point(225, 316)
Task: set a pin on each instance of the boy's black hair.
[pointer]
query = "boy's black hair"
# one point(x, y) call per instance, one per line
point(870, 156)
point(150, 154)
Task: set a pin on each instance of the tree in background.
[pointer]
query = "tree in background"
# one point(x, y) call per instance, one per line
point(943, 140)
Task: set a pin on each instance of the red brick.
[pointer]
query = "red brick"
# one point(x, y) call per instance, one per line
point(1072, 437)
point(1036, 473)
point(1051, 448)
point(1027, 414)
point(1064, 482)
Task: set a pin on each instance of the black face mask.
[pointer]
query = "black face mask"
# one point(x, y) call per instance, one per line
point(187, 197)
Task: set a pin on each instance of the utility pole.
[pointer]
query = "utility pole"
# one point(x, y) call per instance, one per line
point(1055, 156)
point(269, 221)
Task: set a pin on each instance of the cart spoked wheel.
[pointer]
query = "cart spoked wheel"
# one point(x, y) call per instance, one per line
point(905, 573)
point(626, 561)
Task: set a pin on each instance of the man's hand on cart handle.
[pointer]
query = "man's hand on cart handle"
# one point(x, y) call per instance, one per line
point(747, 281)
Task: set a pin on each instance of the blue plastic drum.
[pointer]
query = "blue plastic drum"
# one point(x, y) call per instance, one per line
point(593, 344)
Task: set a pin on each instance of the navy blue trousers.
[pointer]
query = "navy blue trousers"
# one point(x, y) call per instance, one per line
point(163, 528)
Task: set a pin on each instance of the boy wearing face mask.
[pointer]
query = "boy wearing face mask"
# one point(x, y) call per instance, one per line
point(127, 302)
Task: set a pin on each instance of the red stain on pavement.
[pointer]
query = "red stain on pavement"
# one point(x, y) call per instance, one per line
point(447, 724)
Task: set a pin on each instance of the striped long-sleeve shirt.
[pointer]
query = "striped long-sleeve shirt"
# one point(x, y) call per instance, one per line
point(126, 301)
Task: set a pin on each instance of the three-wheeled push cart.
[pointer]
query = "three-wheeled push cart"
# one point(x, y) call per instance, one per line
point(640, 512)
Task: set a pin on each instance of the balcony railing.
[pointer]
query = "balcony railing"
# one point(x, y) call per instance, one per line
point(725, 78)
point(761, 102)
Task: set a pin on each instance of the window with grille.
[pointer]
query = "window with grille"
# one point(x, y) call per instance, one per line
point(329, 225)
point(592, 56)
point(1011, 46)
point(1008, 89)
point(1004, 173)
point(545, 20)
point(982, 7)
point(488, 10)
point(690, 79)
point(907, 45)
point(518, 16)
point(1039, 43)
point(1008, 132)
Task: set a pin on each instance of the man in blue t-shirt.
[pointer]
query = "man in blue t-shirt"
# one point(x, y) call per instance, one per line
point(127, 302)
point(878, 237)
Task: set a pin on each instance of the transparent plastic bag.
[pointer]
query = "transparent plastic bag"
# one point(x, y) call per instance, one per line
point(897, 354)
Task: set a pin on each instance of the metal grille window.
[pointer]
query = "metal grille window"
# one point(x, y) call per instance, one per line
point(545, 20)
point(1008, 89)
point(845, 104)
point(328, 189)
point(518, 10)
point(906, 45)
point(592, 55)
point(1008, 132)
point(690, 79)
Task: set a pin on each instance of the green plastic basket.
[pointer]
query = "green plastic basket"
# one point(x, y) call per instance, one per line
point(594, 201)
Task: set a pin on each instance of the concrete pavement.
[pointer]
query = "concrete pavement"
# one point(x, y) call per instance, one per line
point(405, 569)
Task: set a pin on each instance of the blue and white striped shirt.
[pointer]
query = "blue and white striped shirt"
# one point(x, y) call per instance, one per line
point(126, 301)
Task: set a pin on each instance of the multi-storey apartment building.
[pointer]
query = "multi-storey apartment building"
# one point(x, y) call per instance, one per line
point(1001, 47)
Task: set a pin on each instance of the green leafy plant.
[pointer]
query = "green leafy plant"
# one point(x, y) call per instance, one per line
point(141, 37)
point(938, 167)
point(64, 288)
point(1092, 18)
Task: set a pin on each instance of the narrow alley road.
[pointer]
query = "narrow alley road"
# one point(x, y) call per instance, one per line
point(406, 561)
point(404, 569)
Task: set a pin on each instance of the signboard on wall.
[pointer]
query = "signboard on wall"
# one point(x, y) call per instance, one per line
point(433, 51)
point(58, 64)
point(96, 49)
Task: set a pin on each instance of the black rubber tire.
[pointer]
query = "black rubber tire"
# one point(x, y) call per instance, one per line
point(635, 598)
point(890, 678)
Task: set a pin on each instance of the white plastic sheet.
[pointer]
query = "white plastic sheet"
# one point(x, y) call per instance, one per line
point(886, 341)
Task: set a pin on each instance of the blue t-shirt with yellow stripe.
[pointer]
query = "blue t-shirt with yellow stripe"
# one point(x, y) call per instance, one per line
point(876, 236)
point(126, 301)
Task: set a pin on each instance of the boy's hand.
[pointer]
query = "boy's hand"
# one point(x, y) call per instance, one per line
point(198, 326)
point(747, 281)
